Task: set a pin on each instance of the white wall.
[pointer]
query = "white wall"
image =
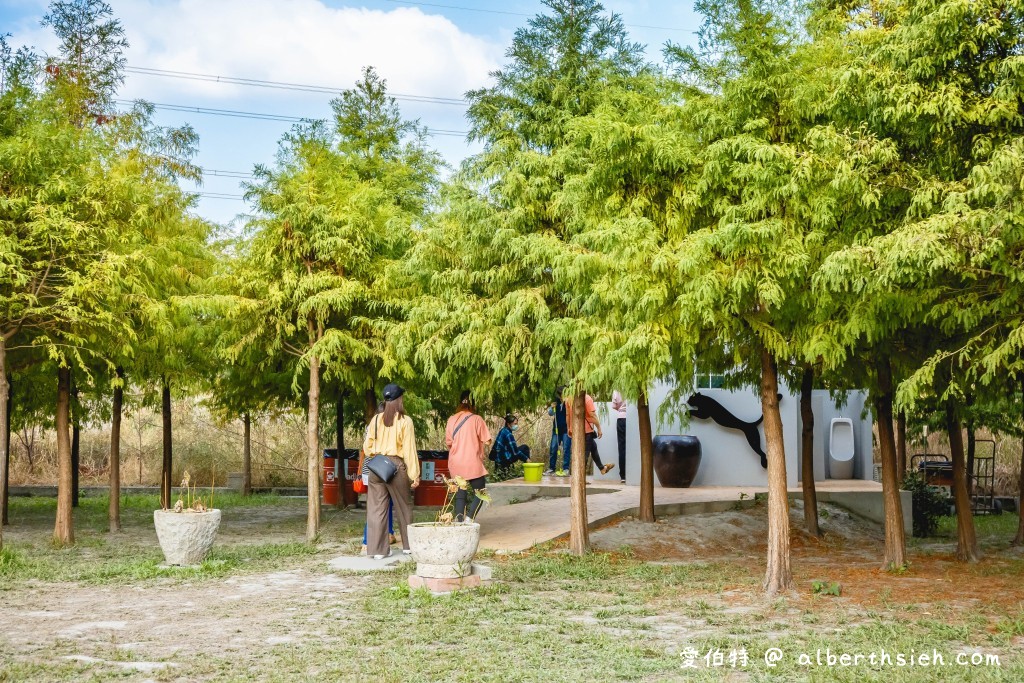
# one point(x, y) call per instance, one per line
point(726, 457)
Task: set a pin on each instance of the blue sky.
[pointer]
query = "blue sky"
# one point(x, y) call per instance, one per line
point(435, 49)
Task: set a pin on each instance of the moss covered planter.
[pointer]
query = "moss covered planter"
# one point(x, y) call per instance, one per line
point(444, 551)
point(186, 537)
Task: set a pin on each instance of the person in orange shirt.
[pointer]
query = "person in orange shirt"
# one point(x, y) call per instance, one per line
point(467, 437)
point(593, 433)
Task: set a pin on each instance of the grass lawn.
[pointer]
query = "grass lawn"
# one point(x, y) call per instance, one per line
point(265, 607)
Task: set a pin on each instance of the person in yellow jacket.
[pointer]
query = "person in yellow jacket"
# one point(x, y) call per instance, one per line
point(390, 434)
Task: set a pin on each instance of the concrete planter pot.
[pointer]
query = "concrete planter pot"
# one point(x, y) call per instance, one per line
point(444, 551)
point(186, 537)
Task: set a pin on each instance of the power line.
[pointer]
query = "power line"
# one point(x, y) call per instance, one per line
point(243, 175)
point(218, 195)
point(281, 85)
point(519, 14)
point(222, 112)
point(262, 116)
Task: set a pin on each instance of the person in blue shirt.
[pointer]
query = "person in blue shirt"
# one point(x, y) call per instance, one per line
point(506, 451)
point(559, 435)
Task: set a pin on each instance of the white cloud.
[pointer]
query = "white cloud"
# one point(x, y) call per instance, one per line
point(298, 41)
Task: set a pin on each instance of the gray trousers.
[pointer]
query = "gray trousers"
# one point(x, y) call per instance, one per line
point(377, 497)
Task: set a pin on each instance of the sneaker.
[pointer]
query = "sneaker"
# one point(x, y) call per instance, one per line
point(381, 557)
point(607, 468)
point(622, 481)
point(548, 472)
point(406, 552)
point(562, 473)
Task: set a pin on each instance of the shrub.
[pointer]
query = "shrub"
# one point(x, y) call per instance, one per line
point(929, 504)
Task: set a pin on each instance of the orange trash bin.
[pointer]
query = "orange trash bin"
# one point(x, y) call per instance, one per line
point(331, 483)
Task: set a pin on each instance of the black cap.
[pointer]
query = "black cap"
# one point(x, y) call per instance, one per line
point(392, 391)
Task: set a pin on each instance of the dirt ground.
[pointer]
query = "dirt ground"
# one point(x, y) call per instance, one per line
point(255, 624)
point(849, 553)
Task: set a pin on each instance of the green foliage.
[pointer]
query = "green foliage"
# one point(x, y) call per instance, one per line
point(332, 215)
point(826, 588)
point(503, 274)
point(929, 504)
point(98, 239)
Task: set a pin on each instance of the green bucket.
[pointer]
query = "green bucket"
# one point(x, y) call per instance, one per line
point(533, 471)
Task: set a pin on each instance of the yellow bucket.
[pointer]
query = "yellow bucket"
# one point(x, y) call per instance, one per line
point(533, 471)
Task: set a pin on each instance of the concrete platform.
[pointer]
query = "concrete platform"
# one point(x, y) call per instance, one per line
point(544, 514)
point(362, 563)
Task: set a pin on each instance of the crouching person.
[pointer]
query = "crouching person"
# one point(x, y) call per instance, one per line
point(506, 452)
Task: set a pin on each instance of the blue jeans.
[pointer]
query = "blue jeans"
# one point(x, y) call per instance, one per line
point(557, 441)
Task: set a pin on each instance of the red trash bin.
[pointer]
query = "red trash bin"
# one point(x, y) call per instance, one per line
point(433, 469)
point(349, 468)
point(331, 484)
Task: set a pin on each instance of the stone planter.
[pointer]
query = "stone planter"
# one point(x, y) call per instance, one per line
point(186, 537)
point(443, 551)
point(676, 459)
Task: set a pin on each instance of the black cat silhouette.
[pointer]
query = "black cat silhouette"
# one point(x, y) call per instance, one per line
point(706, 408)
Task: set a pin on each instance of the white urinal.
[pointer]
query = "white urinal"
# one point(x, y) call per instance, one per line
point(840, 448)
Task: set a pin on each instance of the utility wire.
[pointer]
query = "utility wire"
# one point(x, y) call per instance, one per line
point(281, 85)
point(518, 14)
point(260, 116)
point(243, 175)
point(218, 195)
point(222, 112)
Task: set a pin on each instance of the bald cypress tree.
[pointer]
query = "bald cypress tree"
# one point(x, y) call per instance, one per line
point(936, 78)
point(773, 186)
point(504, 270)
point(331, 216)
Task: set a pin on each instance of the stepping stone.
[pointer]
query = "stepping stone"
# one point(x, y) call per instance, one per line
point(363, 563)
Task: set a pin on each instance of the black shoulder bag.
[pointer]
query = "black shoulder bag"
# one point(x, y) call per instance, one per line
point(381, 465)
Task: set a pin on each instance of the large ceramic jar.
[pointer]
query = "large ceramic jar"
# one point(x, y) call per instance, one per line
point(676, 459)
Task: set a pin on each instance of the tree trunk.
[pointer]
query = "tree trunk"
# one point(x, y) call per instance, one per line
point(5, 448)
point(901, 445)
point(778, 574)
point(5, 490)
point(76, 459)
point(339, 426)
point(369, 405)
point(166, 467)
point(1019, 538)
point(643, 413)
point(895, 538)
point(807, 453)
point(114, 507)
point(246, 455)
point(63, 531)
point(966, 539)
point(972, 445)
point(313, 452)
point(579, 531)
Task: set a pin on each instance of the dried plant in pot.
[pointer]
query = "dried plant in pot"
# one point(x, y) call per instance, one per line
point(186, 532)
point(445, 548)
